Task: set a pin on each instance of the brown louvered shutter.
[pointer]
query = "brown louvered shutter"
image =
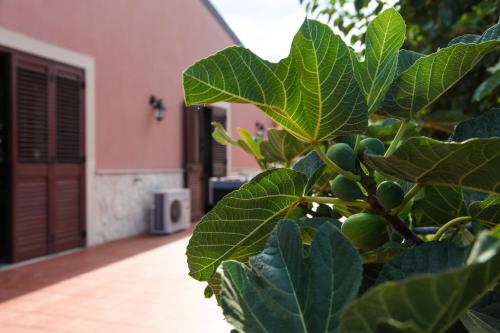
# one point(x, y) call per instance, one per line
point(68, 182)
point(30, 119)
point(32, 113)
point(219, 152)
point(48, 162)
point(68, 119)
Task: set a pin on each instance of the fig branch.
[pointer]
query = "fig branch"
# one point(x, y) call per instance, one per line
point(337, 201)
point(399, 225)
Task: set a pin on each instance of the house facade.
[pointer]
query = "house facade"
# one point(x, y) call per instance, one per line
point(82, 150)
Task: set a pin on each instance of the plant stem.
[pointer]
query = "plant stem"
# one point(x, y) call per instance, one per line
point(337, 201)
point(397, 138)
point(329, 163)
point(399, 225)
point(261, 163)
point(449, 224)
point(410, 194)
point(356, 145)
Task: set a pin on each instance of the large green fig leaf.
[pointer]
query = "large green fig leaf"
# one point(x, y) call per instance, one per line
point(487, 86)
point(431, 257)
point(309, 226)
point(384, 38)
point(312, 93)
point(487, 212)
point(437, 205)
point(484, 316)
point(283, 291)
point(428, 303)
point(282, 147)
point(477, 322)
point(383, 130)
point(239, 225)
point(382, 254)
point(214, 285)
point(430, 76)
point(312, 166)
point(485, 125)
point(472, 164)
point(407, 58)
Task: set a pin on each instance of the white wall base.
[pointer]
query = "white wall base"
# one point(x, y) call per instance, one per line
point(124, 203)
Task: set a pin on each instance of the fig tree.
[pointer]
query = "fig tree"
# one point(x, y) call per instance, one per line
point(345, 189)
point(389, 194)
point(366, 231)
point(372, 146)
point(342, 155)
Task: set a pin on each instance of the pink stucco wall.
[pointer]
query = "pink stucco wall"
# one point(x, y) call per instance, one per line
point(141, 47)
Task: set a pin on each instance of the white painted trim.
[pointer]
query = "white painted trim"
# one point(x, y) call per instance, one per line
point(138, 171)
point(25, 43)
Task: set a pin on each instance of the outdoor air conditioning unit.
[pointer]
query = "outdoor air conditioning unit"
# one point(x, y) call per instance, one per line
point(172, 211)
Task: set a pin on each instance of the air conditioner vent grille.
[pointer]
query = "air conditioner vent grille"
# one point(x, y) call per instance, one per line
point(172, 211)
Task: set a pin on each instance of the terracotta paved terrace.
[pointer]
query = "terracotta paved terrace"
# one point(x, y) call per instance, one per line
point(133, 285)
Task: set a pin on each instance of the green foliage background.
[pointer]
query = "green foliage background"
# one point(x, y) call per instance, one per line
point(430, 25)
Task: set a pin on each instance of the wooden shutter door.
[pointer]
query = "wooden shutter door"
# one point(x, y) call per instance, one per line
point(193, 160)
point(48, 167)
point(67, 183)
point(218, 151)
point(30, 132)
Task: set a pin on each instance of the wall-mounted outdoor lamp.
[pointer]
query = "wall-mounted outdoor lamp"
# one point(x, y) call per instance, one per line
point(260, 128)
point(159, 108)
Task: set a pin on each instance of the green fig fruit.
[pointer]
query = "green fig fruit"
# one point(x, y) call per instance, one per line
point(389, 194)
point(342, 155)
point(324, 210)
point(366, 231)
point(371, 146)
point(345, 189)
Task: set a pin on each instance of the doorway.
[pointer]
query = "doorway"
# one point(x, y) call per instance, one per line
point(43, 165)
point(5, 226)
point(203, 156)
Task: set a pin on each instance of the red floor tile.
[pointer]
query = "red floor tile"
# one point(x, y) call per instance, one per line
point(135, 285)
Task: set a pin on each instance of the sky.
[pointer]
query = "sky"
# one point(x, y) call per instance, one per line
point(266, 27)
